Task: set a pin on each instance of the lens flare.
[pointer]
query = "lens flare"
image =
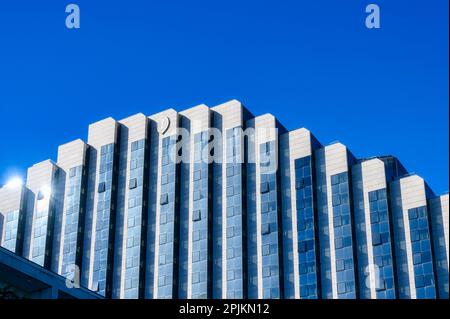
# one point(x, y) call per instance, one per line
point(14, 183)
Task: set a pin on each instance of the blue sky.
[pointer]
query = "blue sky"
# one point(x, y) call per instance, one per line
point(312, 64)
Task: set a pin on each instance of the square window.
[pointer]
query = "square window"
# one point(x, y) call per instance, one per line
point(382, 205)
point(230, 191)
point(299, 163)
point(266, 250)
point(412, 213)
point(162, 239)
point(389, 282)
point(336, 200)
point(422, 211)
point(164, 199)
point(374, 218)
point(266, 271)
point(382, 215)
point(373, 196)
point(197, 175)
point(340, 265)
point(381, 193)
point(420, 281)
point(341, 288)
point(230, 211)
point(197, 215)
point(311, 290)
point(195, 277)
point(230, 171)
point(347, 241)
point(386, 260)
point(426, 256)
point(133, 183)
point(428, 280)
point(424, 234)
point(303, 268)
point(338, 243)
point(132, 202)
point(162, 280)
point(348, 263)
point(264, 188)
point(195, 256)
point(334, 179)
point(230, 232)
point(164, 179)
point(415, 236)
point(381, 285)
point(384, 238)
point(337, 221)
point(349, 286)
point(162, 259)
point(101, 187)
point(134, 146)
point(197, 195)
point(309, 245)
point(344, 199)
point(300, 183)
point(265, 229)
point(376, 239)
point(302, 247)
point(196, 235)
point(163, 219)
point(417, 258)
point(301, 225)
point(307, 181)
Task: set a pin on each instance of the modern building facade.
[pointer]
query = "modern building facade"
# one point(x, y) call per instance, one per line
point(217, 203)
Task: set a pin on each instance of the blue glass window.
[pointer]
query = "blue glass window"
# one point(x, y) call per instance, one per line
point(234, 219)
point(11, 229)
point(422, 253)
point(200, 229)
point(306, 229)
point(343, 236)
point(134, 221)
point(103, 220)
point(382, 244)
point(72, 219)
point(269, 223)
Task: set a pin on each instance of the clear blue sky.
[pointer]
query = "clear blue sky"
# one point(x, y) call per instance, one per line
point(311, 63)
